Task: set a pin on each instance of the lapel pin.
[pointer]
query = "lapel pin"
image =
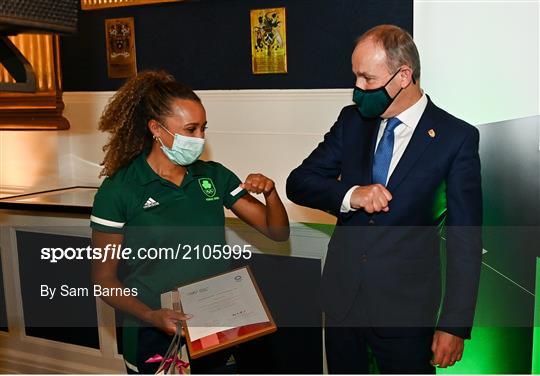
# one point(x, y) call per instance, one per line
point(431, 133)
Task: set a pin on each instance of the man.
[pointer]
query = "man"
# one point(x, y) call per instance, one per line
point(394, 168)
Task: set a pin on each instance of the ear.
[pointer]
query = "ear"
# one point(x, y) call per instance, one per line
point(154, 128)
point(406, 76)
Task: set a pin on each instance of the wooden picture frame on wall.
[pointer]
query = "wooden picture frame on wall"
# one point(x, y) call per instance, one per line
point(101, 4)
point(41, 110)
point(121, 51)
point(268, 40)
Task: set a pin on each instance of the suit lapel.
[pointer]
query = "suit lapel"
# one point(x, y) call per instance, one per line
point(372, 130)
point(420, 140)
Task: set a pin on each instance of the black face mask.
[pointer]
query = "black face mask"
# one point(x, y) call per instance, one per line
point(374, 102)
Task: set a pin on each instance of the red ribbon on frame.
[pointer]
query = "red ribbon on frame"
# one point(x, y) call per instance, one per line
point(174, 359)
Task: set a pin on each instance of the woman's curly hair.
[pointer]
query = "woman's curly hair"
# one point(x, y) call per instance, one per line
point(142, 98)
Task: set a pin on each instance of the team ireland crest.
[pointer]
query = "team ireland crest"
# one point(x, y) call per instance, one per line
point(207, 186)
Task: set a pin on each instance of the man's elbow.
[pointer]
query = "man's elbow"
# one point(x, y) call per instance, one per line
point(292, 186)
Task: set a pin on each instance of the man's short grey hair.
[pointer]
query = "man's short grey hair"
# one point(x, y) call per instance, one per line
point(398, 45)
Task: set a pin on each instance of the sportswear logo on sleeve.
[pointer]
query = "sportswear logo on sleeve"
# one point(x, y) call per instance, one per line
point(150, 203)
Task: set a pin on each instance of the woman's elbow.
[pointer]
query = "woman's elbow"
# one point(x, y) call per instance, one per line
point(100, 274)
point(279, 235)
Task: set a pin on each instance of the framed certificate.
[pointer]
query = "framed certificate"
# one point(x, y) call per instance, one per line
point(227, 309)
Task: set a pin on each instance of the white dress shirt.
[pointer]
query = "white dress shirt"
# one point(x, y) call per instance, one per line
point(402, 136)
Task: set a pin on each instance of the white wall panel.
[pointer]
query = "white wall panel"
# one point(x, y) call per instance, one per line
point(480, 59)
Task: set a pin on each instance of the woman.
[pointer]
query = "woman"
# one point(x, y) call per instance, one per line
point(158, 194)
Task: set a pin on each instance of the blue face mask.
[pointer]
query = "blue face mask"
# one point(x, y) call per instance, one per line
point(185, 150)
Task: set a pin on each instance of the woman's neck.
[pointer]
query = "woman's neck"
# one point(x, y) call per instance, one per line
point(164, 167)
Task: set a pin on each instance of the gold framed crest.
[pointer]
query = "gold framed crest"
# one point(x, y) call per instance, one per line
point(120, 39)
point(268, 41)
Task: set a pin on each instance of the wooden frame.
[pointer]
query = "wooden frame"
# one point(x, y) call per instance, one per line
point(101, 4)
point(268, 40)
point(233, 337)
point(43, 109)
point(16, 346)
point(121, 51)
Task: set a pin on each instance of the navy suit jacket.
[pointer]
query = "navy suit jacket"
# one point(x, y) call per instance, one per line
point(394, 257)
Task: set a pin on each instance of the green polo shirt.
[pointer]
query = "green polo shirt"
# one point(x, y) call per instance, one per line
point(152, 212)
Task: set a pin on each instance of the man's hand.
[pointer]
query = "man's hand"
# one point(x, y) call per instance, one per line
point(447, 349)
point(372, 198)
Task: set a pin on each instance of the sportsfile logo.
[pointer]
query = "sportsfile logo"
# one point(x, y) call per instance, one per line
point(150, 203)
